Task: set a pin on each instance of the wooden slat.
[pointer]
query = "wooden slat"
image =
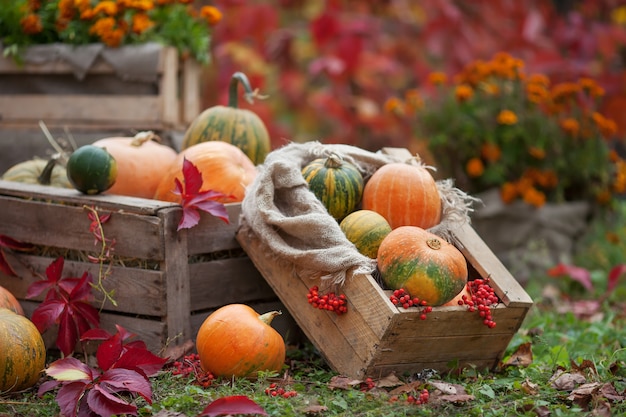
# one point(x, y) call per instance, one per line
point(190, 100)
point(168, 97)
point(136, 291)
point(212, 234)
point(81, 108)
point(225, 281)
point(67, 227)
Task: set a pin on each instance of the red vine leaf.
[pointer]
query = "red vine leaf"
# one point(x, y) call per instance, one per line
point(236, 404)
point(12, 244)
point(193, 199)
point(578, 274)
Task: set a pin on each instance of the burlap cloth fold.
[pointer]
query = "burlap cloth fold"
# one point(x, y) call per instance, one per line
point(295, 227)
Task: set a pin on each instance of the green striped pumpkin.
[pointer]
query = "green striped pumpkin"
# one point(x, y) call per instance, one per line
point(366, 229)
point(22, 352)
point(336, 183)
point(38, 171)
point(423, 264)
point(91, 169)
point(240, 127)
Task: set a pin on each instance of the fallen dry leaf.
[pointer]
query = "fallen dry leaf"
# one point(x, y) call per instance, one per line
point(343, 382)
point(566, 381)
point(523, 356)
point(389, 381)
point(314, 409)
point(448, 389)
point(174, 353)
point(530, 388)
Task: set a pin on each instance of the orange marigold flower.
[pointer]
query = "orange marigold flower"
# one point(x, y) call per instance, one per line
point(211, 14)
point(463, 92)
point(490, 89)
point(475, 167)
point(564, 91)
point(66, 9)
point(31, 24)
point(394, 105)
point(539, 80)
point(82, 5)
point(141, 23)
point(537, 93)
point(508, 192)
point(102, 26)
point(537, 152)
point(413, 100)
point(570, 126)
point(437, 78)
point(490, 151)
point(604, 197)
point(109, 8)
point(113, 38)
point(534, 197)
point(607, 127)
point(507, 117)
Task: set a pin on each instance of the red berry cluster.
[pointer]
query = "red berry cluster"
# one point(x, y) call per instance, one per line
point(190, 364)
point(482, 298)
point(367, 385)
point(402, 298)
point(422, 398)
point(329, 301)
point(275, 391)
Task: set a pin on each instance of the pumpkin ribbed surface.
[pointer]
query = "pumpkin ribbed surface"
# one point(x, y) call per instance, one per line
point(30, 172)
point(422, 263)
point(8, 301)
point(405, 195)
point(224, 168)
point(240, 127)
point(140, 163)
point(366, 229)
point(336, 183)
point(235, 341)
point(22, 352)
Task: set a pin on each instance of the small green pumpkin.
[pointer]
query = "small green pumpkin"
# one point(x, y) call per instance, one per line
point(38, 171)
point(366, 229)
point(91, 169)
point(336, 183)
point(240, 127)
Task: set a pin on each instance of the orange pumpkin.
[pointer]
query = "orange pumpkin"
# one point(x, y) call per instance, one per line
point(8, 300)
point(224, 167)
point(404, 194)
point(235, 341)
point(140, 163)
point(22, 352)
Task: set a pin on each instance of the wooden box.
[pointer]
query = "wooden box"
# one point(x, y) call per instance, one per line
point(166, 282)
point(53, 94)
point(375, 338)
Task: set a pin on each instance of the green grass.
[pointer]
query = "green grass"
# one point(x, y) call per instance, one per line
point(560, 342)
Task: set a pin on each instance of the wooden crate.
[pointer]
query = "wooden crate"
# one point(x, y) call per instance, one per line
point(376, 338)
point(170, 280)
point(172, 102)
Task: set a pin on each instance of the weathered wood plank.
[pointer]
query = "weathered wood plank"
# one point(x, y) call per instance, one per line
point(212, 234)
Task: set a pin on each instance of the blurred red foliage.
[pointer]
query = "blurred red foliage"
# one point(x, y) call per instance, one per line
point(329, 66)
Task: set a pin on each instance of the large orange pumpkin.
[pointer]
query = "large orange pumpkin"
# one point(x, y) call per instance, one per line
point(8, 300)
point(423, 264)
point(224, 167)
point(22, 352)
point(235, 341)
point(140, 163)
point(404, 194)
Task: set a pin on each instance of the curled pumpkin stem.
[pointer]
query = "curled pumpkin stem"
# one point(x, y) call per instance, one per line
point(142, 137)
point(268, 317)
point(249, 95)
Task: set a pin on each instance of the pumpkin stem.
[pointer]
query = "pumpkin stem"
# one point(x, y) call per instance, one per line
point(268, 317)
point(45, 178)
point(143, 137)
point(333, 161)
point(249, 95)
point(434, 243)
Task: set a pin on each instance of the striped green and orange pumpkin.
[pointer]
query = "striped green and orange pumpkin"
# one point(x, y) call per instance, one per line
point(366, 229)
point(91, 169)
point(423, 264)
point(240, 127)
point(38, 171)
point(338, 184)
point(22, 352)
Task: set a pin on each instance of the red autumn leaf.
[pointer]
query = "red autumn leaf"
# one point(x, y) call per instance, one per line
point(10, 243)
point(67, 304)
point(193, 199)
point(236, 404)
point(614, 274)
point(581, 275)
